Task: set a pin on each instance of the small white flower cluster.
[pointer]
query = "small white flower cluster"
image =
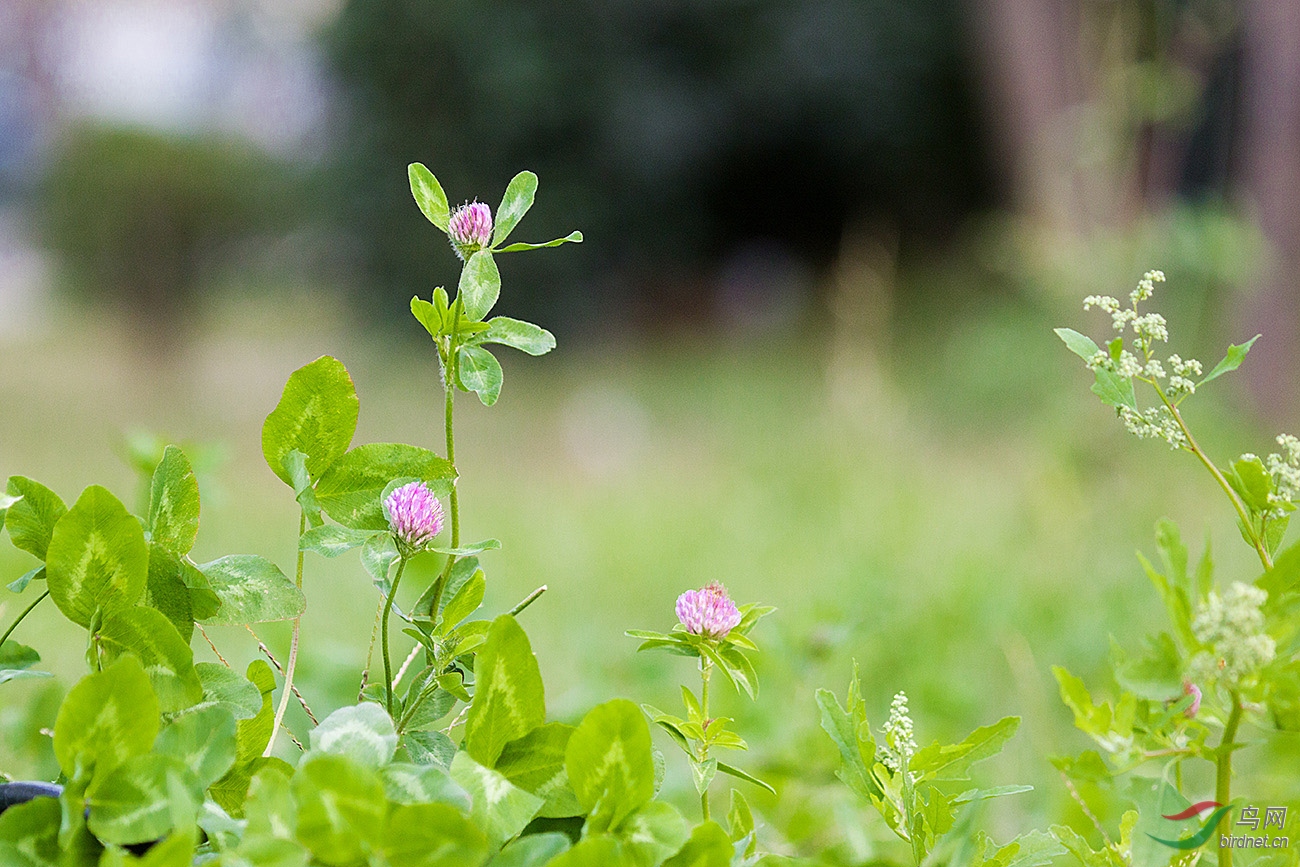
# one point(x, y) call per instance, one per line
point(1232, 626)
point(1285, 470)
point(900, 744)
point(1157, 422)
point(1146, 287)
point(1181, 382)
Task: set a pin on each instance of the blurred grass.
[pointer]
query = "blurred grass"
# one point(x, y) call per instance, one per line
point(952, 509)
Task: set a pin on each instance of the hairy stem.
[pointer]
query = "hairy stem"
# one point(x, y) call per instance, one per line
point(448, 415)
point(383, 632)
point(1223, 769)
point(706, 667)
point(28, 610)
point(293, 650)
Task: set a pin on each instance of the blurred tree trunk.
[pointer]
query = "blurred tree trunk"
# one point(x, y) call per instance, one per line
point(1271, 171)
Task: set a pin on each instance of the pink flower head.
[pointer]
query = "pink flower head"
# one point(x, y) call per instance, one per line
point(1194, 691)
point(414, 514)
point(470, 228)
point(708, 611)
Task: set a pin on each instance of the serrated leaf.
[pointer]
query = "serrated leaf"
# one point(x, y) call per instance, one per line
point(350, 491)
point(509, 699)
point(480, 372)
point(480, 284)
point(428, 748)
point(953, 762)
point(31, 519)
point(317, 415)
point(428, 194)
point(174, 503)
point(1113, 389)
point(252, 589)
point(1236, 355)
point(364, 733)
point(572, 237)
point(148, 635)
point(514, 204)
point(517, 334)
point(97, 557)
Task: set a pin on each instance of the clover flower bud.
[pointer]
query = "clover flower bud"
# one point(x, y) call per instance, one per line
point(414, 514)
point(708, 611)
point(1194, 691)
point(470, 228)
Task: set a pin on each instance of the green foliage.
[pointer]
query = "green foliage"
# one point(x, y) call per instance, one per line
point(97, 560)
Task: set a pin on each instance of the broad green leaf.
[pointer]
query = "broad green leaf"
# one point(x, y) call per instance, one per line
point(251, 738)
point(428, 195)
point(708, 846)
point(252, 589)
point(572, 237)
point(165, 590)
point(143, 799)
point(364, 733)
point(849, 730)
point(467, 599)
point(652, 833)
point(174, 503)
point(203, 741)
point(535, 763)
point(531, 850)
point(422, 784)
point(269, 806)
point(30, 521)
point(480, 284)
point(428, 748)
point(427, 315)
point(1236, 355)
point(168, 660)
point(295, 464)
point(341, 808)
point(597, 850)
point(1035, 849)
point(317, 415)
point(32, 830)
point(1113, 389)
point(377, 557)
point(106, 718)
point(225, 688)
point(953, 762)
point(609, 763)
point(480, 372)
point(509, 699)
point(350, 490)
point(331, 540)
point(516, 202)
point(16, 660)
point(524, 336)
point(432, 835)
point(733, 771)
point(1080, 344)
point(740, 819)
point(1155, 674)
point(97, 559)
point(500, 809)
point(1252, 482)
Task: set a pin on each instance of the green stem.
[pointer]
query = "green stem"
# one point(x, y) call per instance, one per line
point(449, 410)
point(527, 600)
point(383, 631)
point(1223, 769)
point(292, 665)
point(706, 667)
point(26, 611)
point(1256, 540)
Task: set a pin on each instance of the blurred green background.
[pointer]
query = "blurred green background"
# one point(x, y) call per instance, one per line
point(806, 348)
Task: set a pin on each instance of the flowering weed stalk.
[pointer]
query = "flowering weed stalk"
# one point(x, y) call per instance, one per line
point(1222, 661)
point(713, 629)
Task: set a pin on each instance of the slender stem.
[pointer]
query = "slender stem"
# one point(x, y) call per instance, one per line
point(26, 611)
point(449, 410)
point(383, 632)
point(706, 667)
point(1223, 769)
point(1256, 539)
point(527, 600)
point(293, 650)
